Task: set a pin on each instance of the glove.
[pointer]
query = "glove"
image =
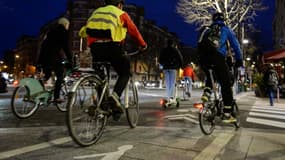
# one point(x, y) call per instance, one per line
point(238, 63)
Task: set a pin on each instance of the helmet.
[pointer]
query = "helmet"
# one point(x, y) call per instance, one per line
point(218, 16)
point(114, 2)
point(63, 21)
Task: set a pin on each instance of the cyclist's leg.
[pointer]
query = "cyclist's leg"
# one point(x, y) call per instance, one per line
point(172, 82)
point(59, 73)
point(223, 76)
point(47, 74)
point(167, 83)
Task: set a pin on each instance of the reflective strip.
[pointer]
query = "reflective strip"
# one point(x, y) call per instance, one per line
point(107, 13)
point(103, 20)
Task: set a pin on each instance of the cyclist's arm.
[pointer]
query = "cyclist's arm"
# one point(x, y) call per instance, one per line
point(132, 29)
point(234, 44)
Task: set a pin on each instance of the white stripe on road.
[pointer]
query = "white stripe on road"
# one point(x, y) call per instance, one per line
point(184, 118)
point(267, 115)
point(271, 108)
point(31, 148)
point(151, 94)
point(266, 122)
point(187, 117)
point(212, 150)
point(267, 111)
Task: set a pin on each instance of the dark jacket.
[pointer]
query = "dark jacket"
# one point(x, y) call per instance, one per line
point(226, 34)
point(171, 58)
point(266, 81)
point(55, 47)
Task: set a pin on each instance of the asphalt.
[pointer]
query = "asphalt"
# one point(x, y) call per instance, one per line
point(245, 144)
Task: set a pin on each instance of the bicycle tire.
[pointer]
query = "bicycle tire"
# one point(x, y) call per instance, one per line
point(22, 106)
point(63, 95)
point(207, 119)
point(85, 121)
point(236, 114)
point(132, 111)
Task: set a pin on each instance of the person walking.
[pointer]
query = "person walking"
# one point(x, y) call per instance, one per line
point(106, 30)
point(188, 75)
point(170, 59)
point(51, 57)
point(212, 49)
point(270, 80)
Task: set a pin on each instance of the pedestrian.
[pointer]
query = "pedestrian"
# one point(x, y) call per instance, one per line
point(3, 84)
point(106, 30)
point(189, 77)
point(212, 49)
point(51, 57)
point(171, 60)
point(270, 80)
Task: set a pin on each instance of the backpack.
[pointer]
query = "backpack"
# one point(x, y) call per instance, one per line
point(272, 79)
point(210, 37)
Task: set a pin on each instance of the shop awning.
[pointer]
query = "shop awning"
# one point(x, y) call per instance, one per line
point(274, 55)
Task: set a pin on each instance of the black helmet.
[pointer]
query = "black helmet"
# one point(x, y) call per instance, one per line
point(218, 16)
point(114, 2)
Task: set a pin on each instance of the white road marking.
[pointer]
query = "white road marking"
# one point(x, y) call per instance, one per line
point(271, 108)
point(31, 148)
point(267, 111)
point(267, 115)
point(266, 122)
point(211, 151)
point(110, 155)
point(187, 117)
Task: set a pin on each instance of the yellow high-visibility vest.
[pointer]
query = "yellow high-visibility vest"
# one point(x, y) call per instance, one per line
point(105, 18)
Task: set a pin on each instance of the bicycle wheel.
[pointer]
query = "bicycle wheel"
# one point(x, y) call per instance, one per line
point(236, 114)
point(131, 104)
point(85, 121)
point(22, 105)
point(63, 95)
point(207, 119)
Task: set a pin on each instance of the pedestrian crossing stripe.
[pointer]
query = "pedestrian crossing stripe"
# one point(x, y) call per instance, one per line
point(266, 122)
point(269, 116)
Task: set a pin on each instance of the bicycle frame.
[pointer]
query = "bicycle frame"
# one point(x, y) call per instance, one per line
point(37, 92)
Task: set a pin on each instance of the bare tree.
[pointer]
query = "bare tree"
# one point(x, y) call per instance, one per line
point(236, 11)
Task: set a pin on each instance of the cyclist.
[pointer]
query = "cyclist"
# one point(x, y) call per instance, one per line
point(106, 31)
point(189, 75)
point(51, 56)
point(212, 48)
point(171, 59)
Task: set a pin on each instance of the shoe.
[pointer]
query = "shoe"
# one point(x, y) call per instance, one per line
point(58, 100)
point(188, 94)
point(115, 99)
point(206, 96)
point(228, 118)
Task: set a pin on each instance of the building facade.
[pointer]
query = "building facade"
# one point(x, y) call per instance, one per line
point(145, 66)
point(278, 25)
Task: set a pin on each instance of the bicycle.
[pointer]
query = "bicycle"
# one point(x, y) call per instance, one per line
point(30, 94)
point(186, 91)
point(88, 108)
point(209, 111)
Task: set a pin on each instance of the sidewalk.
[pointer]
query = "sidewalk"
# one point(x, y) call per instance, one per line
point(255, 144)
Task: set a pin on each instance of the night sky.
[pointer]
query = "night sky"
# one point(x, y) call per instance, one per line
point(19, 17)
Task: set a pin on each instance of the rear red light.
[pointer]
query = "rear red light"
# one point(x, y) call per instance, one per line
point(16, 83)
point(198, 105)
point(162, 102)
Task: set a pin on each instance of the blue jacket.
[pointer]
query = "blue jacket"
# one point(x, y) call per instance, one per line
point(228, 34)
